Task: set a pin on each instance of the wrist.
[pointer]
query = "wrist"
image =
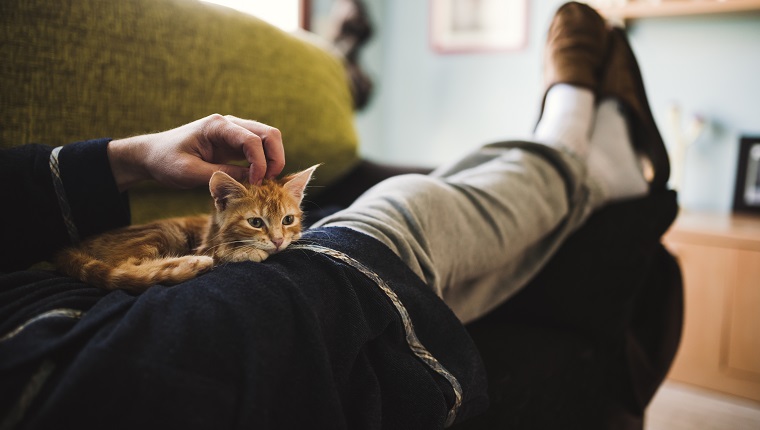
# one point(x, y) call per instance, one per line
point(126, 157)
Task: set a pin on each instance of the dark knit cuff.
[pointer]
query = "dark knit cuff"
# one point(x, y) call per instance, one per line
point(95, 203)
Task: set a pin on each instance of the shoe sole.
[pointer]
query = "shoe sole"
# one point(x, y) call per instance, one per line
point(647, 138)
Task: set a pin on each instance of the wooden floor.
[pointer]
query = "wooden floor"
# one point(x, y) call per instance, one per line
point(683, 407)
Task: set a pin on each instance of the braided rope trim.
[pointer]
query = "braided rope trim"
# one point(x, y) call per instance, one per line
point(60, 192)
point(63, 312)
point(36, 382)
point(411, 337)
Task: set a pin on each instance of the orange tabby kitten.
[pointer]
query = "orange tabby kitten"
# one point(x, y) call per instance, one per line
point(249, 223)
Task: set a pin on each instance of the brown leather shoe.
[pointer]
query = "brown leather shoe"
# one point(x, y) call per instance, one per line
point(622, 80)
point(575, 47)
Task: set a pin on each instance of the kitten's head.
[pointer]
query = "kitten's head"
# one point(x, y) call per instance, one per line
point(265, 217)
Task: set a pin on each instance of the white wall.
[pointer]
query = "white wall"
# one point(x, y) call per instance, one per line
point(430, 107)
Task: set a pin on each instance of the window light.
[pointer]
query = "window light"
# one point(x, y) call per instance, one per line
point(282, 13)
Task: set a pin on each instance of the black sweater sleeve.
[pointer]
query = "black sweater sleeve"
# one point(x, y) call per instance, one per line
point(31, 224)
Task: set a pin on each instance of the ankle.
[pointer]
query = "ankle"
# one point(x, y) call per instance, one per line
point(566, 119)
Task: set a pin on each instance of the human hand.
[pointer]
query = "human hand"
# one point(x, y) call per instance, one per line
point(187, 156)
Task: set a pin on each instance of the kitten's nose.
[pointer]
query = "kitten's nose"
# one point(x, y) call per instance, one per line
point(277, 243)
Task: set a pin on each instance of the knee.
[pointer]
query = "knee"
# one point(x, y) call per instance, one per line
point(408, 185)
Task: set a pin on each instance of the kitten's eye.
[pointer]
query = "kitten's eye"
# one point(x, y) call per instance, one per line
point(288, 220)
point(256, 222)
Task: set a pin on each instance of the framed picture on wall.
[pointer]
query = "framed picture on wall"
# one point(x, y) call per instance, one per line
point(747, 191)
point(478, 25)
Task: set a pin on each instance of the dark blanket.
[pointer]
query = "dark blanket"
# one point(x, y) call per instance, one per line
point(299, 341)
point(588, 341)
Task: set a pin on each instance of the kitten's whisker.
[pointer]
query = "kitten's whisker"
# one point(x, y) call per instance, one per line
point(216, 236)
point(240, 243)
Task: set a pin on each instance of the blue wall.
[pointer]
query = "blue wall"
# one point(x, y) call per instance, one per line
point(710, 65)
point(430, 107)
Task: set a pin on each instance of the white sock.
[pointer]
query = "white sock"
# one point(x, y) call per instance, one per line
point(612, 163)
point(567, 119)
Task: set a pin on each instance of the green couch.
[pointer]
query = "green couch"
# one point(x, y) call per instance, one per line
point(76, 70)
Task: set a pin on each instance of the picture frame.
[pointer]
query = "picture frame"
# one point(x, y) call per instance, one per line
point(747, 189)
point(459, 26)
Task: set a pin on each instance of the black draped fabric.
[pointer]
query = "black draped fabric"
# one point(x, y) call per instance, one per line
point(586, 343)
point(298, 341)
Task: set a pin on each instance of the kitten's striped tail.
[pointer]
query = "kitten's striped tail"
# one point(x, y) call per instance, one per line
point(133, 274)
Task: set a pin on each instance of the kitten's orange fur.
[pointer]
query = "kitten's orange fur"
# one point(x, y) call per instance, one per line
point(249, 224)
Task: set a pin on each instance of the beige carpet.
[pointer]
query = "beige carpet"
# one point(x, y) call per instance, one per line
point(683, 407)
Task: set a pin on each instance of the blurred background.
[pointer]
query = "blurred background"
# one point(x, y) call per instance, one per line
point(429, 105)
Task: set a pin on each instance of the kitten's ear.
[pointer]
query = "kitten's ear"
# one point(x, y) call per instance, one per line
point(223, 188)
point(296, 183)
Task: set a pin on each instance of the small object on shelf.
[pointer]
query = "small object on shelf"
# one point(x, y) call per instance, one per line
point(681, 142)
point(747, 190)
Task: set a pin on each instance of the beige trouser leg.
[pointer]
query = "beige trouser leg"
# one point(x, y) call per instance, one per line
point(478, 230)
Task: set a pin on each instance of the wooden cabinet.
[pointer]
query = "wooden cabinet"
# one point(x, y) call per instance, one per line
point(720, 260)
point(617, 9)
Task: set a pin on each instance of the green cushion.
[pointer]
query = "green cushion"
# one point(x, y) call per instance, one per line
point(74, 70)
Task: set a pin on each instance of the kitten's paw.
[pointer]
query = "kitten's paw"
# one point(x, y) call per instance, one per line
point(255, 255)
point(200, 263)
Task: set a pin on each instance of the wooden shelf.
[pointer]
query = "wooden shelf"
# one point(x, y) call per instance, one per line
point(651, 8)
point(719, 255)
point(718, 229)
